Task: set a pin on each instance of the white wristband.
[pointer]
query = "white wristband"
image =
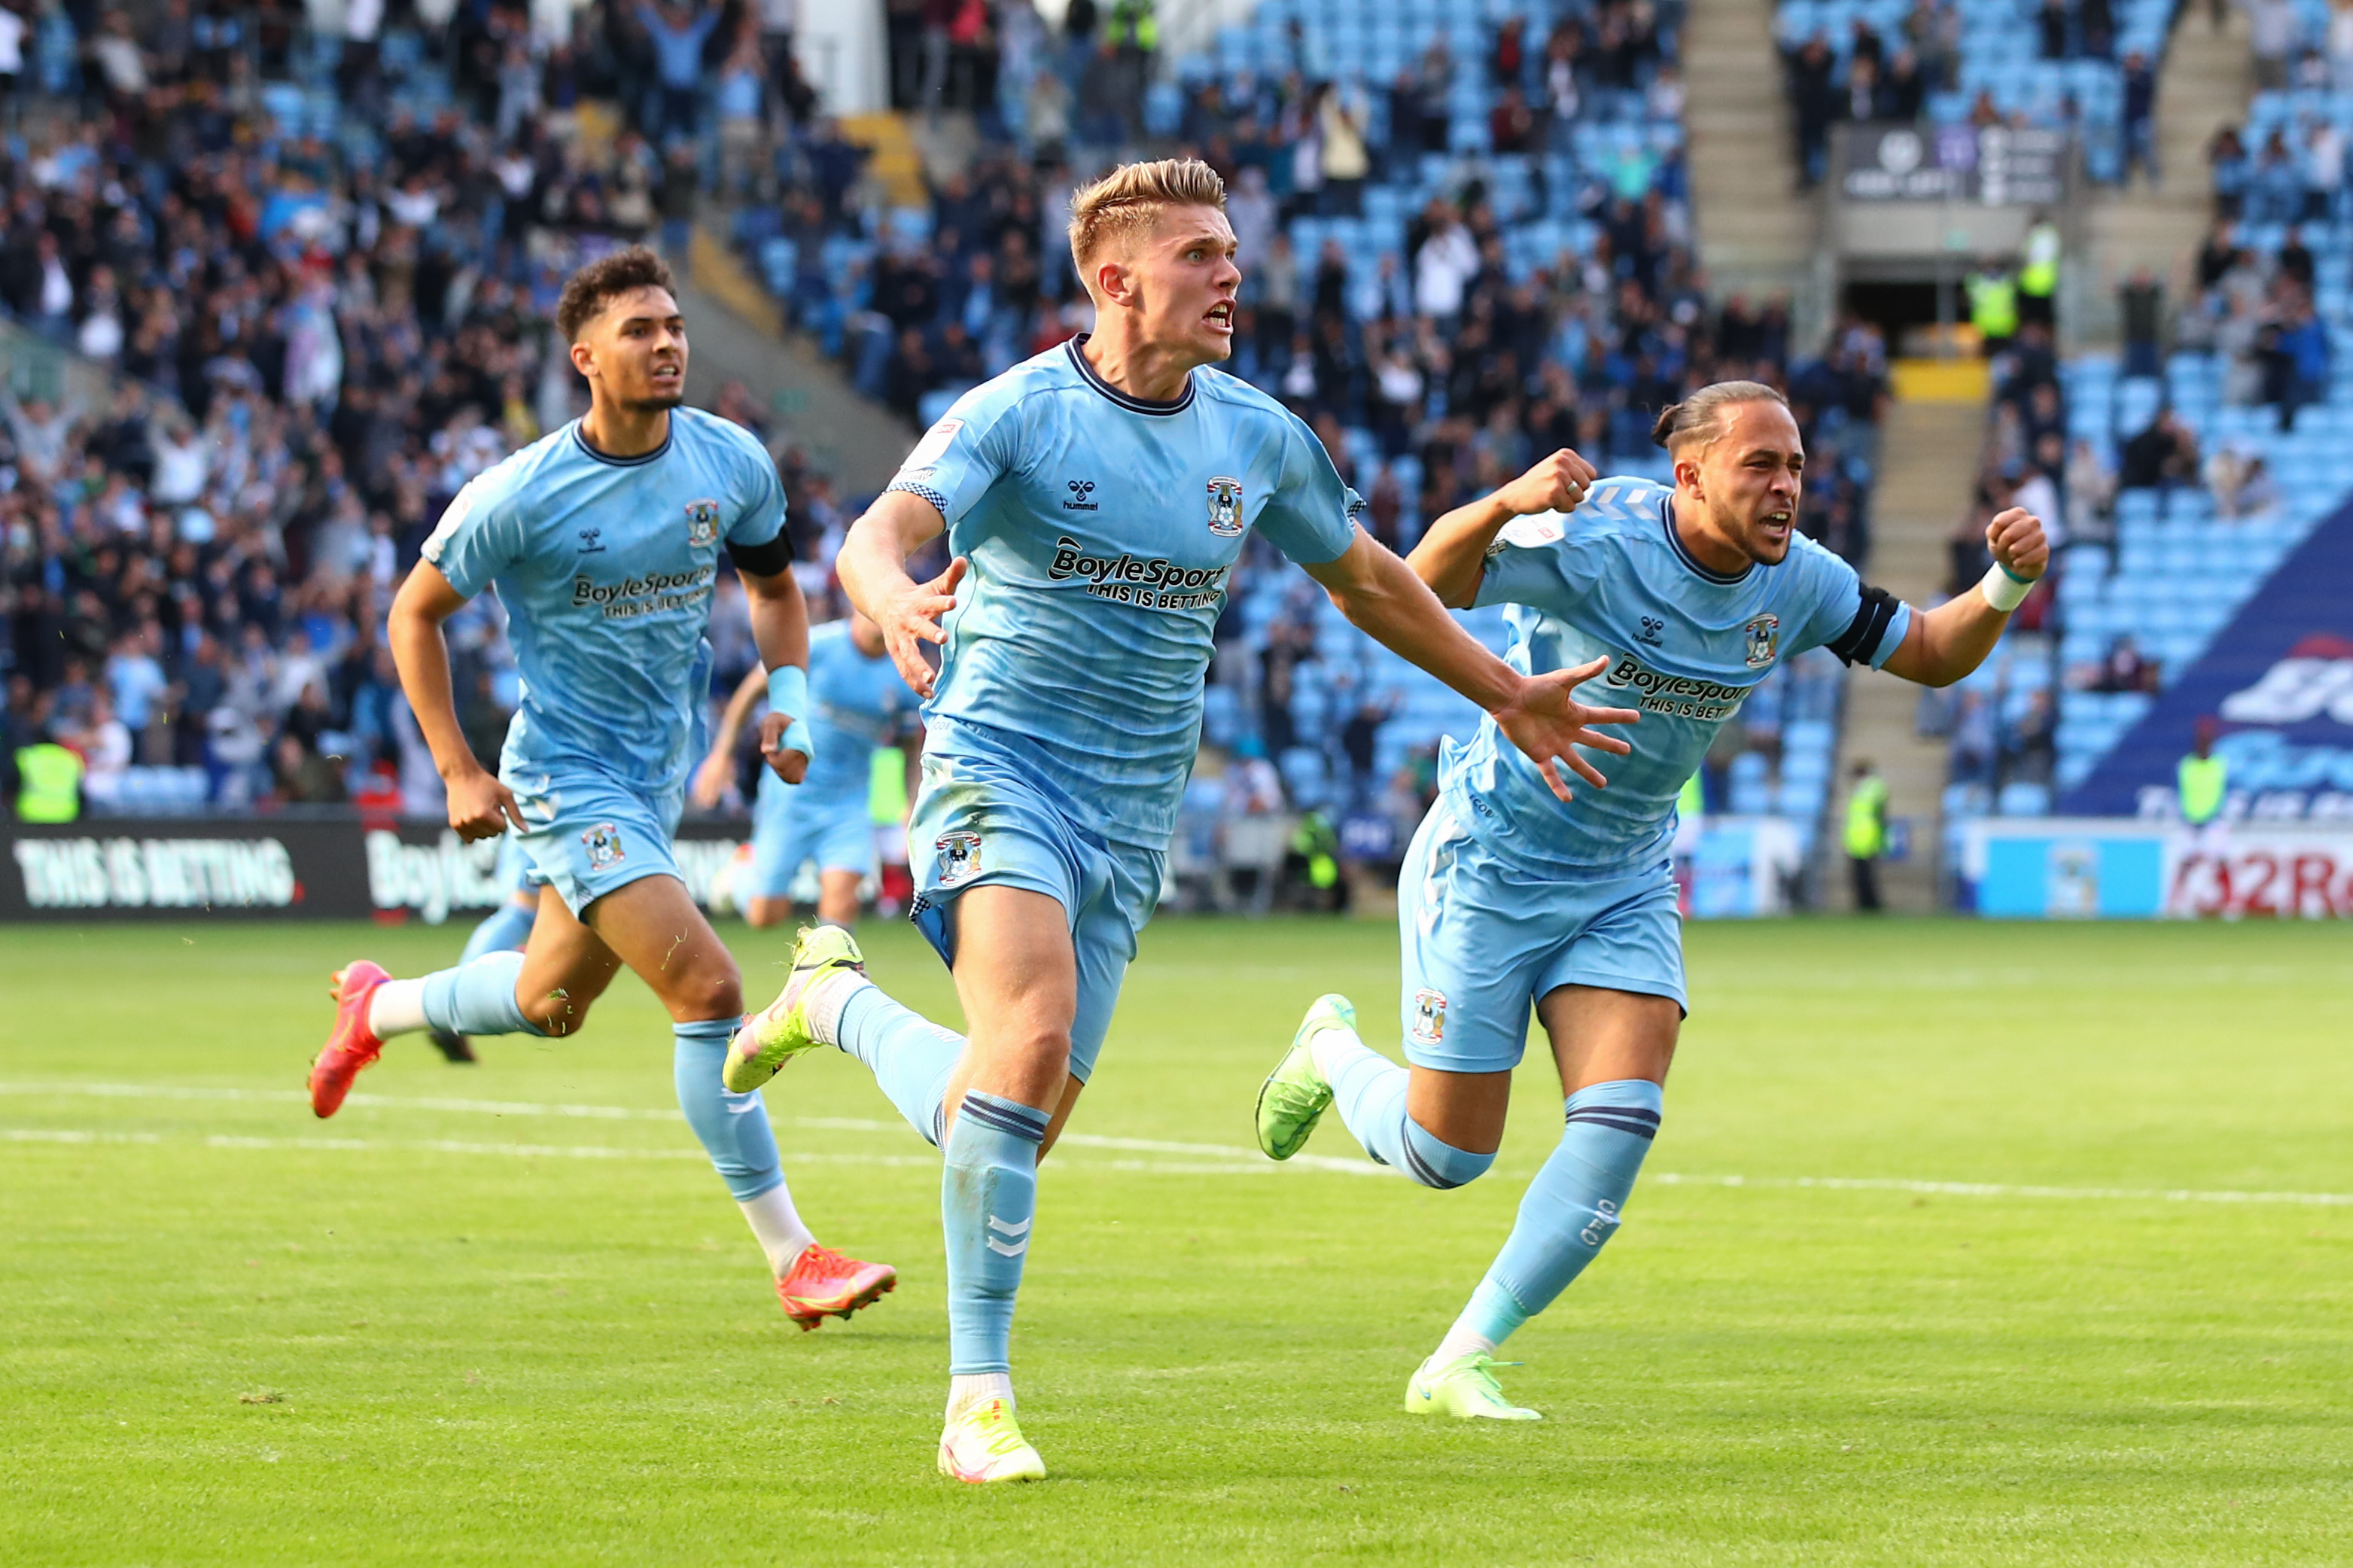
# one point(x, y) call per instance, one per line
point(2004, 589)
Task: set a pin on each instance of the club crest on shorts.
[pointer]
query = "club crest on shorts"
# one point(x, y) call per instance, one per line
point(603, 842)
point(1763, 635)
point(701, 523)
point(1429, 1016)
point(1225, 507)
point(959, 855)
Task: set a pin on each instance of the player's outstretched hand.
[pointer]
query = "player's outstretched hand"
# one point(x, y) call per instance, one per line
point(911, 618)
point(1555, 484)
point(2015, 537)
point(481, 806)
point(1548, 722)
point(790, 766)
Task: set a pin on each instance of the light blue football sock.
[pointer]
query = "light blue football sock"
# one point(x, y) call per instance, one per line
point(911, 1057)
point(1369, 1091)
point(988, 1197)
point(478, 997)
point(733, 1128)
point(507, 927)
point(1572, 1207)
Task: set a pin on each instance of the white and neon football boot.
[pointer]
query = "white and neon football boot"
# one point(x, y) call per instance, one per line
point(1464, 1387)
point(985, 1445)
point(780, 1031)
point(1294, 1095)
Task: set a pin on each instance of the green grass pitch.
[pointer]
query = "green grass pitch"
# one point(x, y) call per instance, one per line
point(1963, 1244)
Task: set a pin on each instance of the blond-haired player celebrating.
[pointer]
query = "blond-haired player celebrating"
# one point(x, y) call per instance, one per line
point(1096, 499)
point(1679, 599)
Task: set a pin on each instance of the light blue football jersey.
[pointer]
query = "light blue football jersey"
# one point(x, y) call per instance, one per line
point(1102, 531)
point(606, 566)
point(1685, 647)
point(856, 704)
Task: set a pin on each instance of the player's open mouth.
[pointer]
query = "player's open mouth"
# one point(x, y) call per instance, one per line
point(1221, 317)
point(1776, 524)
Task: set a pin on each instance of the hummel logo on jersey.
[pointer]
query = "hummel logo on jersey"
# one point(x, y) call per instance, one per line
point(588, 537)
point(1080, 490)
point(1652, 626)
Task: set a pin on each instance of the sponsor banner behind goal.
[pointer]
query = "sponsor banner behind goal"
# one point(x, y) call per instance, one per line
point(2106, 869)
point(277, 868)
point(2277, 682)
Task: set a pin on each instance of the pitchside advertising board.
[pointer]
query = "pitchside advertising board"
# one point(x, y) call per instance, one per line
point(179, 867)
point(2104, 868)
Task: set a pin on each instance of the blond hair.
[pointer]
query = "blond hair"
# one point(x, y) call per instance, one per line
point(1700, 419)
point(1127, 203)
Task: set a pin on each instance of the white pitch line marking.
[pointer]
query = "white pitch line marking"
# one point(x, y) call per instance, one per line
point(1251, 1158)
point(582, 1152)
point(1209, 1158)
point(2007, 1189)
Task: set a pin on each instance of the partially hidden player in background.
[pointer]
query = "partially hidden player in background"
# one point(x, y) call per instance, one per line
point(858, 705)
point(1675, 600)
point(506, 929)
point(604, 540)
point(1096, 500)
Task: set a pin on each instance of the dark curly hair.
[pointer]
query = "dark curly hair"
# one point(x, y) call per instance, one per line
point(588, 291)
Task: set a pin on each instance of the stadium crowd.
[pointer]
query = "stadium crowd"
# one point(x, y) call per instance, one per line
point(2212, 435)
point(1464, 246)
point(320, 266)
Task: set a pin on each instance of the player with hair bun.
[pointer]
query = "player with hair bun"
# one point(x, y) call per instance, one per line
point(1674, 600)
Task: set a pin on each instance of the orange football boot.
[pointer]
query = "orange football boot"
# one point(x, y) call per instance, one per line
point(351, 1045)
point(823, 1284)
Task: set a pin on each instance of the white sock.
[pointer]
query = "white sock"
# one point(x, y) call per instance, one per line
point(1460, 1341)
point(825, 1000)
point(778, 1225)
point(1333, 1047)
point(969, 1389)
point(398, 1007)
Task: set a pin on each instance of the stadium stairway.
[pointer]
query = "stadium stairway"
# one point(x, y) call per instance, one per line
point(2205, 83)
point(1757, 232)
point(858, 442)
point(1928, 453)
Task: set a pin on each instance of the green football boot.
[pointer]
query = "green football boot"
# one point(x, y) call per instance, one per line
point(1294, 1095)
point(778, 1032)
point(1464, 1387)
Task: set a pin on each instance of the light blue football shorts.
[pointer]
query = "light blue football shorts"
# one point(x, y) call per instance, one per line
point(590, 833)
point(516, 876)
point(790, 826)
point(1483, 938)
point(981, 819)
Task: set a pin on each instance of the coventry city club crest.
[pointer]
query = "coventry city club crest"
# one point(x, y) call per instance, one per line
point(1429, 1016)
point(1225, 507)
point(959, 857)
point(1763, 639)
point(701, 523)
point(603, 842)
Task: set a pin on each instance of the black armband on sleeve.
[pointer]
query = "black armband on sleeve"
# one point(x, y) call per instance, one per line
point(763, 559)
point(1859, 642)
